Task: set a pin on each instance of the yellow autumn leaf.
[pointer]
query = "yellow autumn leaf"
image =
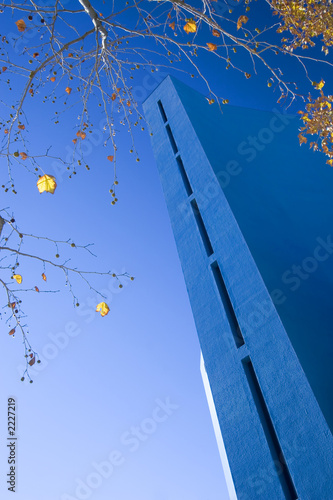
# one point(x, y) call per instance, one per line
point(17, 278)
point(190, 26)
point(20, 25)
point(320, 84)
point(211, 46)
point(103, 308)
point(46, 183)
point(241, 20)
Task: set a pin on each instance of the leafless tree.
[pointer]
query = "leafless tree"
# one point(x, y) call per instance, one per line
point(53, 48)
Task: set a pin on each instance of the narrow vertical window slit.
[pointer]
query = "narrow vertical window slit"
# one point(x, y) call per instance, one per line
point(227, 305)
point(171, 139)
point(202, 229)
point(184, 175)
point(278, 458)
point(161, 108)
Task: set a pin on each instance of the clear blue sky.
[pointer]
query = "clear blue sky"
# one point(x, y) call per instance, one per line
point(110, 375)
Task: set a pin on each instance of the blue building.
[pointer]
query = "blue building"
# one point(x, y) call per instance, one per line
point(252, 217)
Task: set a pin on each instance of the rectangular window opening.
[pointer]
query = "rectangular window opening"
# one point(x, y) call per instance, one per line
point(279, 461)
point(227, 304)
point(202, 229)
point(184, 176)
point(171, 139)
point(160, 107)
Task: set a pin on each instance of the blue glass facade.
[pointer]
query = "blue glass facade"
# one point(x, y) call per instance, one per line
point(253, 223)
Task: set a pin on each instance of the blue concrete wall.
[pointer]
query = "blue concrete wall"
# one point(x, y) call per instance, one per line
point(205, 144)
point(281, 196)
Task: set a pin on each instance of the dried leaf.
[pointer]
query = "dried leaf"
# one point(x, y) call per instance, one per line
point(74, 140)
point(4, 68)
point(216, 33)
point(103, 308)
point(44, 277)
point(46, 183)
point(190, 26)
point(35, 54)
point(113, 96)
point(17, 278)
point(24, 156)
point(172, 25)
point(302, 139)
point(21, 26)
point(81, 134)
point(32, 361)
point(36, 288)
point(12, 331)
point(68, 90)
point(21, 127)
point(241, 20)
point(110, 157)
point(52, 79)
point(211, 46)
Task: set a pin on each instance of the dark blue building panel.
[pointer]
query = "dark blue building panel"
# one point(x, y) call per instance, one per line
point(252, 220)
